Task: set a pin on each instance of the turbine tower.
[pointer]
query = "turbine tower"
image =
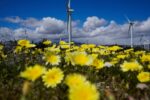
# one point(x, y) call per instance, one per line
point(131, 23)
point(69, 21)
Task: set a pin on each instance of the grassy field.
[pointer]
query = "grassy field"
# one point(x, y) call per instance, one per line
point(49, 71)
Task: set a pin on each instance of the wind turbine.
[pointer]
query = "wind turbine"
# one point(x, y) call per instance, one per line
point(131, 23)
point(141, 38)
point(69, 21)
point(25, 32)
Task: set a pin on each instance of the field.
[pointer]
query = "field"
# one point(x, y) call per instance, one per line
point(49, 71)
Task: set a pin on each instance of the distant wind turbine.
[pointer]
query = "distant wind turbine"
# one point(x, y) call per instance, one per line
point(69, 21)
point(25, 32)
point(141, 38)
point(131, 23)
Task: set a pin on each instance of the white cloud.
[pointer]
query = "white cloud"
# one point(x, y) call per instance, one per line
point(14, 19)
point(93, 22)
point(5, 34)
point(50, 26)
point(94, 30)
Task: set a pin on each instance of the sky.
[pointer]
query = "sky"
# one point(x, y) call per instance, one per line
point(100, 20)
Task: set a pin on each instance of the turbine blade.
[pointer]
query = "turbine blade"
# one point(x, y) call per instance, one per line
point(129, 29)
point(69, 4)
point(129, 21)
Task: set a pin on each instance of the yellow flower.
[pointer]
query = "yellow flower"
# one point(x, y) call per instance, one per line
point(95, 50)
point(18, 49)
point(75, 47)
point(23, 42)
point(81, 58)
point(52, 49)
point(80, 88)
point(53, 59)
point(30, 45)
point(66, 46)
point(74, 80)
point(62, 42)
point(104, 52)
point(33, 73)
point(114, 48)
point(145, 58)
point(47, 42)
point(139, 52)
point(94, 56)
point(144, 77)
point(85, 46)
point(149, 66)
point(91, 45)
point(98, 64)
point(86, 91)
point(121, 56)
point(131, 66)
point(2, 55)
point(114, 61)
point(102, 47)
point(128, 50)
point(53, 77)
point(1, 47)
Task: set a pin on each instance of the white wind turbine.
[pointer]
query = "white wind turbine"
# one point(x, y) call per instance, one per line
point(131, 23)
point(69, 21)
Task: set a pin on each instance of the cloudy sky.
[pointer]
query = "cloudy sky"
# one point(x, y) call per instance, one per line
point(94, 21)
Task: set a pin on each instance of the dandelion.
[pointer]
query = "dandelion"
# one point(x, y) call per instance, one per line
point(139, 52)
point(95, 49)
point(149, 66)
point(98, 64)
point(80, 88)
point(18, 49)
point(53, 59)
point(114, 61)
point(121, 56)
point(23, 42)
point(66, 46)
point(114, 48)
point(30, 46)
point(86, 91)
point(91, 45)
point(85, 46)
point(1, 47)
point(74, 80)
point(81, 58)
point(33, 73)
point(144, 77)
point(131, 66)
point(53, 77)
point(47, 42)
point(62, 42)
point(145, 58)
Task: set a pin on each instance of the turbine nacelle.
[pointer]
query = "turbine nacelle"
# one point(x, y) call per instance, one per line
point(129, 21)
point(69, 7)
point(70, 10)
point(132, 23)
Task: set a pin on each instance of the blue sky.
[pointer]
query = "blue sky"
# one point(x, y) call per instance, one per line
point(104, 15)
point(108, 9)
